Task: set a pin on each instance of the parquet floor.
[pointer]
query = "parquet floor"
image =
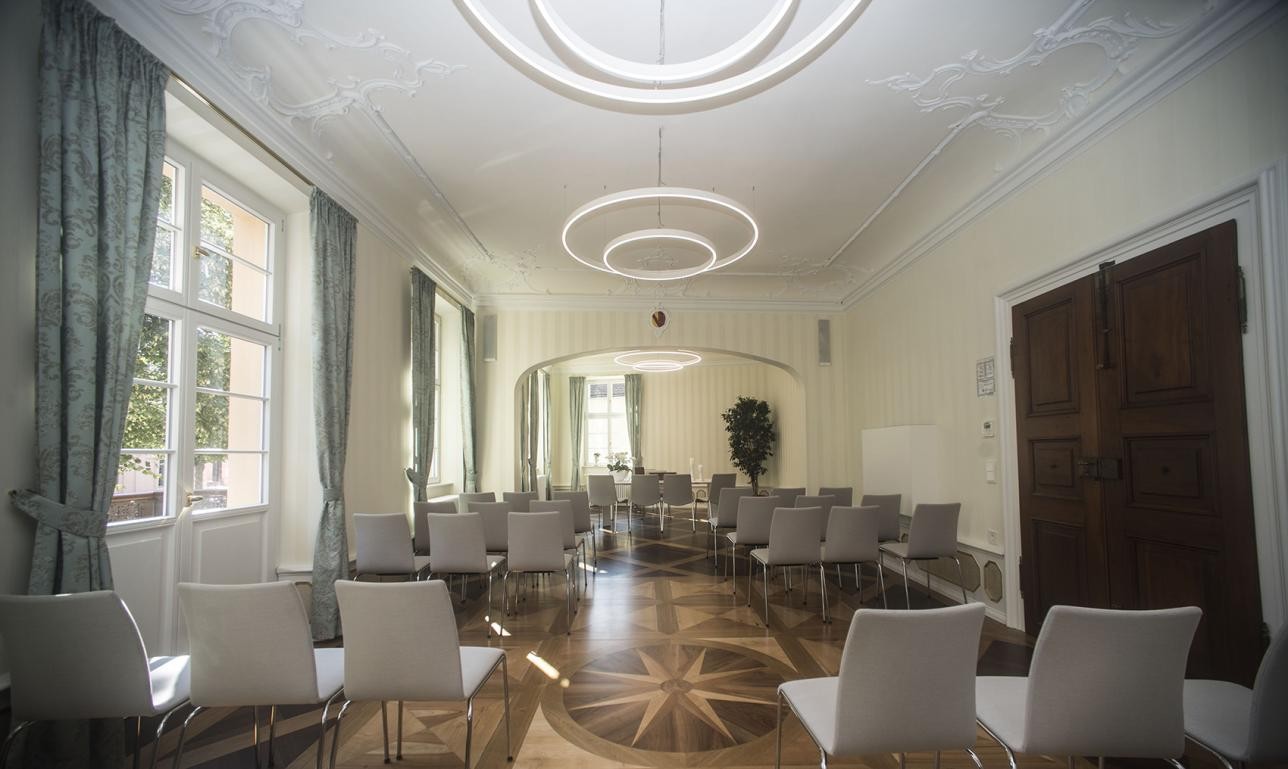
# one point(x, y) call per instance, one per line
point(665, 666)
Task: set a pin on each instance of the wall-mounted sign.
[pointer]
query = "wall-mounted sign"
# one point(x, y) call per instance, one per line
point(984, 380)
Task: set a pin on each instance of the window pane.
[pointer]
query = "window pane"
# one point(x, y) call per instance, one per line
point(226, 283)
point(147, 418)
point(620, 441)
point(168, 191)
point(140, 487)
point(231, 228)
point(599, 390)
point(229, 422)
point(619, 389)
point(228, 480)
point(163, 259)
point(154, 350)
point(230, 363)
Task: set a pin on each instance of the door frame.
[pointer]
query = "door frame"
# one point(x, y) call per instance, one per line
point(1259, 205)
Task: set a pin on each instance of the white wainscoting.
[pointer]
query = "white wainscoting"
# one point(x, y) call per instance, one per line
point(143, 570)
point(229, 550)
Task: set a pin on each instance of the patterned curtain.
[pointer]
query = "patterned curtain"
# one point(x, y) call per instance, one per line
point(468, 425)
point(577, 425)
point(547, 463)
point(423, 294)
point(529, 431)
point(634, 397)
point(102, 146)
point(334, 249)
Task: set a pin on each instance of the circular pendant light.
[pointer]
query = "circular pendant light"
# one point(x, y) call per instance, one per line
point(658, 361)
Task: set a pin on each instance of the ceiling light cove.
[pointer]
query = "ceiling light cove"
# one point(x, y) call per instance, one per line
point(729, 73)
point(670, 196)
point(658, 361)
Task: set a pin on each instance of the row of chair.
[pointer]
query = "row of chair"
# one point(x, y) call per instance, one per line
point(1102, 683)
point(80, 656)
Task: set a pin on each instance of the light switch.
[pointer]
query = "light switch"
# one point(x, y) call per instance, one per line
point(986, 429)
point(990, 470)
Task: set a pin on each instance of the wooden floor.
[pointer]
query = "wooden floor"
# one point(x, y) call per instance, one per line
point(665, 666)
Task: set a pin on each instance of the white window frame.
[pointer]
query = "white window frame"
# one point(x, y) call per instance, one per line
point(589, 458)
point(435, 473)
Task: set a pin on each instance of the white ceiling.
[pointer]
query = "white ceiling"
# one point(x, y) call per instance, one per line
point(602, 364)
point(478, 162)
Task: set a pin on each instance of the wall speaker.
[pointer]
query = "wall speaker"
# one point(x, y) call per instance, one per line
point(487, 337)
point(824, 342)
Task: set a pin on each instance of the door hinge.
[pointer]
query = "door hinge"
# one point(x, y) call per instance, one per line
point(1102, 313)
point(1011, 354)
point(1243, 301)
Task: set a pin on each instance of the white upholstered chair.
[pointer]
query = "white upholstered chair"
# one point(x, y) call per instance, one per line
point(931, 536)
point(1102, 683)
point(496, 525)
point(677, 491)
point(573, 544)
point(584, 525)
point(646, 491)
point(385, 547)
point(717, 484)
point(519, 500)
point(537, 547)
point(462, 551)
point(601, 490)
point(420, 531)
point(751, 530)
point(80, 655)
point(906, 684)
point(844, 494)
point(789, 494)
point(1241, 725)
point(795, 539)
point(251, 646)
point(400, 644)
point(465, 499)
point(852, 540)
point(728, 502)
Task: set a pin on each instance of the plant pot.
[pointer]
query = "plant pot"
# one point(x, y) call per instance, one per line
point(621, 476)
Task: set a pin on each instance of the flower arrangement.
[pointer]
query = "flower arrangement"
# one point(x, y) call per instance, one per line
point(618, 463)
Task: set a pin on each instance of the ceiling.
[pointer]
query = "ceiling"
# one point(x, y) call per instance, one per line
point(603, 364)
point(908, 114)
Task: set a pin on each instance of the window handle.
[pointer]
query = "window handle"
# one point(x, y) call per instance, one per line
point(193, 499)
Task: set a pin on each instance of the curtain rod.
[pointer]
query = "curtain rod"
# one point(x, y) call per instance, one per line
point(233, 122)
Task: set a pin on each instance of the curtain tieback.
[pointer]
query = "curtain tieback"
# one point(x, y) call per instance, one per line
point(70, 520)
point(332, 495)
point(417, 479)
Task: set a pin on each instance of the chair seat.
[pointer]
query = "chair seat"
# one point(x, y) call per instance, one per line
point(170, 682)
point(330, 668)
point(761, 554)
point(823, 555)
point(814, 702)
point(999, 703)
point(477, 663)
point(733, 539)
point(1219, 714)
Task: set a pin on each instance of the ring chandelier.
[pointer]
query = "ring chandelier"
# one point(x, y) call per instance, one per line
point(684, 194)
point(662, 84)
point(658, 361)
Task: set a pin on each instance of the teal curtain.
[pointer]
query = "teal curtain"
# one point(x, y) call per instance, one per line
point(634, 396)
point(469, 431)
point(335, 234)
point(546, 463)
point(423, 295)
point(102, 146)
point(529, 431)
point(577, 425)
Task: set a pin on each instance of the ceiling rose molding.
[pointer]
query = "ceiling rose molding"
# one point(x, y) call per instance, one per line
point(647, 93)
point(1230, 26)
point(222, 18)
point(1116, 37)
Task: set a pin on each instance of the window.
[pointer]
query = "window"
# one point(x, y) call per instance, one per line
point(605, 420)
point(434, 475)
point(196, 431)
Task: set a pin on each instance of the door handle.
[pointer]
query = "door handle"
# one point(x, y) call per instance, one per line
point(1100, 468)
point(192, 499)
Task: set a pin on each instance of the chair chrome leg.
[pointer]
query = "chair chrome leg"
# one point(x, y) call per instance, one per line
point(1010, 754)
point(326, 710)
point(1069, 762)
point(505, 691)
point(156, 745)
point(254, 734)
point(822, 590)
point(183, 733)
point(384, 727)
point(568, 601)
point(961, 580)
point(398, 753)
point(748, 578)
point(937, 759)
point(764, 568)
point(469, 729)
point(272, 732)
point(907, 597)
point(974, 757)
point(881, 581)
point(778, 734)
point(138, 740)
point(8, 741)
point(335, 732)
point(822, 759)
point(857, 582)
point(1225, 762)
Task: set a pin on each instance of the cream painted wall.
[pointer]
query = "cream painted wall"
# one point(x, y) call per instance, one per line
point(912, 345)
point(681, 418)
point(531, 337)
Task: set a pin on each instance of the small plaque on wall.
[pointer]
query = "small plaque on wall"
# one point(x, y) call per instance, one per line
point(984, 379)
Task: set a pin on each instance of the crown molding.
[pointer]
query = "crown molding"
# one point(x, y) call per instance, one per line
point(559, 302)
point(1231, 28)
point(147, 24)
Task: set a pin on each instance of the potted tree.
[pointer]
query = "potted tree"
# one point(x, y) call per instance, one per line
point(751, 437)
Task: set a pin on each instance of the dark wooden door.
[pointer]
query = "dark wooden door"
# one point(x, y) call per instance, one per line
point(1062, 515)
point(1147, 502)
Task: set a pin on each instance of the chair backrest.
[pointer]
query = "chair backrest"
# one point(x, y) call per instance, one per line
point(580, 508)
point(794, 536)
point(400, 641)
point(933, 531)
point(754, 517)
point(824, 502)
point(907, 681)
point(844, 494)
point(74, 656)
point(645, 490)
point(250, 645)
point(889, 505)
point(729, 494)
point(1268, 739)
point(519, 500)
point(384, 544)
point(718, 483)
point(852, 535)
point(1108, 682)
point(789, 494)
point(543, 481)
point(462, 547)
point(420, 529)
point(602, 490)
point(496, 525)
point(536, 542)
point(465, 499)
point(567, 518)
point(677, 489)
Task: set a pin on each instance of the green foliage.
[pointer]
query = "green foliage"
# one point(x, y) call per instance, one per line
point(751, 436)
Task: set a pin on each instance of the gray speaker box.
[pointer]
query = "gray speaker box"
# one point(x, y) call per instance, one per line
point(824, 342)
point(487, 337)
